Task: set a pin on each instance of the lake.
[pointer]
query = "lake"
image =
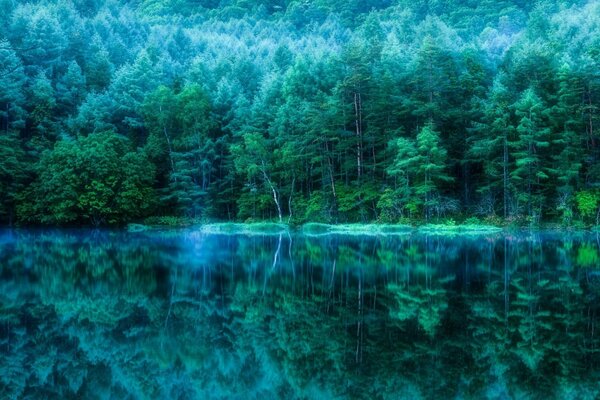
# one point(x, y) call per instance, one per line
point(182, 314)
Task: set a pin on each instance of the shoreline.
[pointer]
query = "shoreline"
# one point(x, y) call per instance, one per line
point(315, 229)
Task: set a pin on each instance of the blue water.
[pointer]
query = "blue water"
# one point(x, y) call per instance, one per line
point(185, 315)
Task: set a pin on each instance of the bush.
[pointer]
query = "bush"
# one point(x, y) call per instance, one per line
point(472, 221)
point(587, 203)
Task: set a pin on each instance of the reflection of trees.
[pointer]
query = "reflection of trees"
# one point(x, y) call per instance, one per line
point(186, 315)
point(529, 325)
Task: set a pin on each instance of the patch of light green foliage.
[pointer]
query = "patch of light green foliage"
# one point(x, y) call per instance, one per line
point(316, 229)
point(257, 228)
point(442, 229)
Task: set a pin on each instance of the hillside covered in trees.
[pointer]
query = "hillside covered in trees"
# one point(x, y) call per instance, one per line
point(328, 110)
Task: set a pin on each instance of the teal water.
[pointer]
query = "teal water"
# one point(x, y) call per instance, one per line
point(187, 315)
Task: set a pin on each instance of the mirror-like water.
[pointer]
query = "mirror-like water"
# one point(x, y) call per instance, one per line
point(185, 315)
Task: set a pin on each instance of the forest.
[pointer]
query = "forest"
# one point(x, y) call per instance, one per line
point(388, 111)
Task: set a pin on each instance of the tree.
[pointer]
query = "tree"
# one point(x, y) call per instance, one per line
point(129, 88)
point(588, 203)
point(490, 146)
point(532, 139)
point(12, 80)
point(13, 174)
point(180, 145)
point(254, 158)
point(98, 68)
point(567, 139)
point(403, 170)
point(421, 168)
point(70, 89)
point(96, 179)
point(42, 105)
point(431, 170)
point(37, 33)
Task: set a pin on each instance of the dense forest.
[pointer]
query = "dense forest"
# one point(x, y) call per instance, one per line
point(293, 110)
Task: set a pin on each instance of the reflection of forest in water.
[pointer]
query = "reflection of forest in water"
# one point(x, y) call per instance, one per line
point(186, 315)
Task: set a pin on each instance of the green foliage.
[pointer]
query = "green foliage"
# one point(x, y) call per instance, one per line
point(529, 146)
point(318, 229)
point(13, 175)
point(421, 168)
point(171, 221)
point(588, 256)
point(588, 202)
point(95, 179)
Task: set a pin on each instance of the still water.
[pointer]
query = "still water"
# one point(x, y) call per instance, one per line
point(188, 315)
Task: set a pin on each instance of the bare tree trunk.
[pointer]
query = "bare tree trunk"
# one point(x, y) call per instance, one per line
point(275, 194)
point(591, 118)
point(505, 178)
point(330, 167)
point(168, 144)
point(357, 123)
point(7, 117)
point(290, 199)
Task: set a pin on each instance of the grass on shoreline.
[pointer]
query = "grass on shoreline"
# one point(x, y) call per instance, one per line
point(318, 229)
point(469, 226)
point(315, 228)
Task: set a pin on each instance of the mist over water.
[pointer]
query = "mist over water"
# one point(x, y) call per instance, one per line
point(186, 315)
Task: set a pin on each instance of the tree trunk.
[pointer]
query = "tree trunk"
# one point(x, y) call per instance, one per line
point(505, 178)
point(7, 117)
point(290, 199)
point(170, 148)
point(330, 168)
point(358, 123)
point(591, 118)
point(275, 194)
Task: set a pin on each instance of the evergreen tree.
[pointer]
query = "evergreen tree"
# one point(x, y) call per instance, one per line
point(431, 170)
point(12, 81)
point(490, 147)
point(530, 152)
point(70, 89)
point(567, 139)
point(420, 166)
point(42, 110)
point(14, 175)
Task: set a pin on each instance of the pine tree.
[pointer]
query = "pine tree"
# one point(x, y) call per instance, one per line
point(70, 89)
point(566, 128)
point(431, 170)
point(12, 81)
point(14, 175)
point(490, 147)
point(530, 152)
point(403, 171)
point(420, 167)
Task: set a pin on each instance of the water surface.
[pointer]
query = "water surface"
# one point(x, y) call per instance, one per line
point(187, 315)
